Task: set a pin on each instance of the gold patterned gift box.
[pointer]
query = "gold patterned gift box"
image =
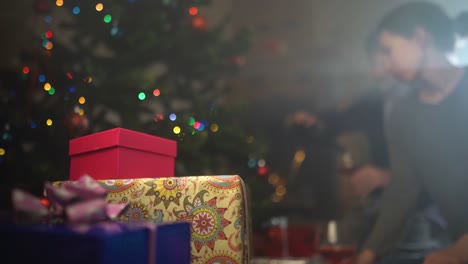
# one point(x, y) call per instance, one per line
point(215, 206)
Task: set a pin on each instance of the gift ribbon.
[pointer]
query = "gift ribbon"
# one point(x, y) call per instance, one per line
point(80, 202)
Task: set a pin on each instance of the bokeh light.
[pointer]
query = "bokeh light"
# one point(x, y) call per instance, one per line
point(176, 130)
point(59, 2)
point(172, 117)
point(99, 7)
point(42, 78)
point(82, 100)
point(2, 151)
point(76, 10)
point(49, 122)
point(107, 18)
point(193, 10)
point(142, 96)
point(156, 92)
point(214, 127)
point(47, 86)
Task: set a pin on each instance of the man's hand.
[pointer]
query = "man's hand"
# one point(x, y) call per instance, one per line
point(365, 257)
point(303, 119)
point(444, 256)
point(368, 178)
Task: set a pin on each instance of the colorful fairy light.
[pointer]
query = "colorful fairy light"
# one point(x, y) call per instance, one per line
point(214, 128)
point(2, 151)
point(76, 10)
point(51, 91)
point(156, 92)
point(114, 30)
point(193, 11)
point(191, 121)
point(172, 117)
point(49, 34)
point(107, 18)
point(176, 130)
point(82, 100)
point(59, 2)
point(47, 86)
point(49, 122)
point(252, 163)
point(261, 163)
point(99, 7)
point(49, 45)
point(142, 96)
point(41, 78)
point(26, 70)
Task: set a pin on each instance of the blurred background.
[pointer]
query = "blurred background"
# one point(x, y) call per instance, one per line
point(220, 77)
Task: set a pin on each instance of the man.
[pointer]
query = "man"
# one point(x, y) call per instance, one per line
point(427, 131)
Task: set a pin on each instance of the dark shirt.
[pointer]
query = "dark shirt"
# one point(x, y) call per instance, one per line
point(365, 115)
point(428, 146)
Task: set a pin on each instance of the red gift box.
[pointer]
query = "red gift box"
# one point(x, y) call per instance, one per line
point(121, 154)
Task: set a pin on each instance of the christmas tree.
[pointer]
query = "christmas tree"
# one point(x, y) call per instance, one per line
point(158, 67)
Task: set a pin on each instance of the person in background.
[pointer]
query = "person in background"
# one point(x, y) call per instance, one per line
point(368, 115)
point(427, 133)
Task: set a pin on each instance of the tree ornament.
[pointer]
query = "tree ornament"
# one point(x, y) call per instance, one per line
point(76, 123)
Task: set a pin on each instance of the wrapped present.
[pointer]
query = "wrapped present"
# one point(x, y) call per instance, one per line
point(216, 208)
point(121, 154)
point(77, 225)
point(57, 244)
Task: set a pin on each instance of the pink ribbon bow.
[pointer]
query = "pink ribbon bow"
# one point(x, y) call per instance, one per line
point(80, 202)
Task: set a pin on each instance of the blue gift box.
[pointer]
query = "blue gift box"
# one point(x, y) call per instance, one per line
point(54, 244)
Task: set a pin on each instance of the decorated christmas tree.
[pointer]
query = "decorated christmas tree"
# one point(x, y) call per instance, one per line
point(158, 67)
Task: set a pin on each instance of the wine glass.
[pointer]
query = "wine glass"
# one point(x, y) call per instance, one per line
point(332, 249)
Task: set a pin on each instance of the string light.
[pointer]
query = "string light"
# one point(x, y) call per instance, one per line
point(59, 2)
point(107, 18)
point(42, 78)
point(214, 128)
point(49, 45)
point(82, 100)
point(26, 70)
point(193, 11)
point(191, 121)
point(2, 151)
point(156, 92)
point(49, 122)
point(47, 86)
point(99, 7)
point(142, 96)
point(51, 91)
point(172, 117)
point(176, 130)
point(49, 34)
point(76, 10)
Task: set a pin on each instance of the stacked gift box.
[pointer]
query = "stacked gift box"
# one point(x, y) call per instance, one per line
point(166, 219)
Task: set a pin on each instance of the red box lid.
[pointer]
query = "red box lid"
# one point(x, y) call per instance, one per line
point(120, 137)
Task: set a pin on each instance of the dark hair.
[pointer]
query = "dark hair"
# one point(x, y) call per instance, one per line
point(404, 20)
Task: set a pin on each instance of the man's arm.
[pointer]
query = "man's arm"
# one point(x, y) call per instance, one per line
point(455, 254)
point(401, 197)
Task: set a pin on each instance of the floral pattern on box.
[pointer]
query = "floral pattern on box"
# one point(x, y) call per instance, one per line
point(215, 206)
